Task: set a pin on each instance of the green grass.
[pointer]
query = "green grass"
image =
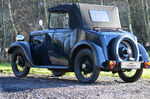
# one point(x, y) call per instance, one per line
point(6, 68)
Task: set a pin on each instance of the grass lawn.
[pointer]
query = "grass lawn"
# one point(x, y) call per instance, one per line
point(6, 68)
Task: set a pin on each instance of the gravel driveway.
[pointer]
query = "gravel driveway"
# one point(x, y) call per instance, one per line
point(67, 87)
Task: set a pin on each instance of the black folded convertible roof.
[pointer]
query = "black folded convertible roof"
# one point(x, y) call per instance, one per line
point(80, 17)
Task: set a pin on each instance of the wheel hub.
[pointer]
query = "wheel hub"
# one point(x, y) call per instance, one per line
point(86, 67)
point(124, 52)
point(83, 66)
point(19, 61)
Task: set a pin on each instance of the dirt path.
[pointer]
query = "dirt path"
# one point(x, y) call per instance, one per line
point(67, 87)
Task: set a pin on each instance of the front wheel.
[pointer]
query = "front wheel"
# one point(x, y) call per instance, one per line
point(84, 67)
point(130, 75)
point(18, 63)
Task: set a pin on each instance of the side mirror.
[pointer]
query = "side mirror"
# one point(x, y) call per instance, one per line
point(41, 24)
point(19, 38)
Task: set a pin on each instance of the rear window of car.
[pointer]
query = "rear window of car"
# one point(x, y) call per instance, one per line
point(99, 16)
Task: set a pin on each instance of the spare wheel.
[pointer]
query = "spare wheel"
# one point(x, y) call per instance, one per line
point(125, 49)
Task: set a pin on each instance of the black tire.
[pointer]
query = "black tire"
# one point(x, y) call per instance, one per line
point(133, 78)
point(57, 73)
point(18, 63)
point(85, 57)
point(124, 46)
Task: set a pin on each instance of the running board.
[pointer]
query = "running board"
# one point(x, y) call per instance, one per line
point(52, 67)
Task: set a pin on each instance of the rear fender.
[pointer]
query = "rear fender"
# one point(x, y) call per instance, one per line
point(143, 52)
point(25, 47)
point(97, 52)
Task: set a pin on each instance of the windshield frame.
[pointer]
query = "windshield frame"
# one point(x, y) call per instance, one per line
point(49, 21)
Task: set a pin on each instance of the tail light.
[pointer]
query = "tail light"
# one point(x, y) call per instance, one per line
point(147, 64)
point(112, 64)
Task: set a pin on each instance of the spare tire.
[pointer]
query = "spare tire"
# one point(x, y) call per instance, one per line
point(124, 48)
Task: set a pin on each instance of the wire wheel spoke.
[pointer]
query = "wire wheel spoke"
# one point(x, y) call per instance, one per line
point(86, 67)
point(20, 63)
point(20, 68)
point(85, 74)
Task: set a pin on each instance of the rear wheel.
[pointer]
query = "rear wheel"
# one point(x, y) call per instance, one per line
point(84, 67)
point(18, 63)
point(130, 75)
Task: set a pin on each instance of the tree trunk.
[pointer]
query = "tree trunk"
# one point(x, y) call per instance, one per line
point(102, 2)
point(146, 20)
point(45, 12)
point(129, 16)
point(12, 20)
point(4, 35)
point(147, 13)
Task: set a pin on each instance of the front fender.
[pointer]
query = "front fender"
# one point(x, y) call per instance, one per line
point(99, 57)
point(143, 52)
point(25, 47)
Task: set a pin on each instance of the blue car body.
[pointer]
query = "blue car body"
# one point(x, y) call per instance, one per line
point(98, 42)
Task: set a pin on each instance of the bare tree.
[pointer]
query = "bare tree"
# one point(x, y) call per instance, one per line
point(45, 11)
point(11, 18)
point(4, 34)
point(146, 19)
point(102, 2)
point(147, 12)
point(129, 15)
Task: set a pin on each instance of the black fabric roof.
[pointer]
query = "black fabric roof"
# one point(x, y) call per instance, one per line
point(80, 18)
point(66, 7)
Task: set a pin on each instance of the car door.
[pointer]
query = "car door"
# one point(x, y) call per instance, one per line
point(61, 46)
point(59, 23)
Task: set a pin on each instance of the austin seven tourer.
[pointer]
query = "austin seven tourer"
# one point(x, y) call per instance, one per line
point(82, 38)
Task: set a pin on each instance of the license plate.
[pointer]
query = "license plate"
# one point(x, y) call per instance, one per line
point(130, 65)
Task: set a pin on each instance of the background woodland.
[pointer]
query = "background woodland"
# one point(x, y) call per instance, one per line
point(22, 16)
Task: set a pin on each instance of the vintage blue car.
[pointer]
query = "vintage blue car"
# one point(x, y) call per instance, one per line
point(81, 38)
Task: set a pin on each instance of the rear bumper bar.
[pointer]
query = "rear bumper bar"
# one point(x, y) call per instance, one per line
point(117, 66)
